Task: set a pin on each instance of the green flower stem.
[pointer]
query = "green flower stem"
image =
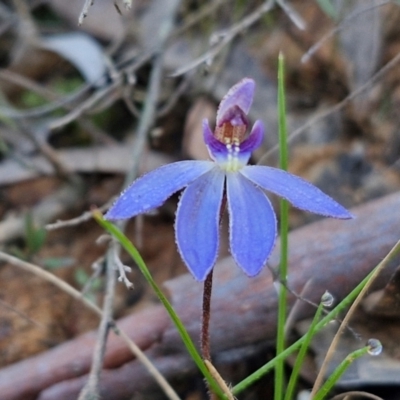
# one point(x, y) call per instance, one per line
point(255, 376)
point(283, 149)
point(132, 251)
point(392, 253)
point(284, 227)
point(300, 357)
point(339, 371)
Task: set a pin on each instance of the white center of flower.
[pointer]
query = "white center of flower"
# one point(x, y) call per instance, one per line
point(232, 163)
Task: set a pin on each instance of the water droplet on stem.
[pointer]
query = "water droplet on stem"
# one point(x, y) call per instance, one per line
point(374, 347)
point(327, 299)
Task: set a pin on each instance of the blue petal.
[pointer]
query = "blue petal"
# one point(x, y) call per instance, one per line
point(152, 189)
point(252, 224)
point(297, 191)
point(197, 222)
point(240, 95)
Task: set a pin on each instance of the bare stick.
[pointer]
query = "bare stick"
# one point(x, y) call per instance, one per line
point(300, 298)
point(28, 84)
point(86, 216)
point(147, 119)
point(153, 161)
point(91, 389)
point(49, 277)
point(85, 106)
point(40, 111)
point(227, 37)
point(196, 17)
point(344, 396)
point(392, 63)
point(306, 57)
point(88, 104)
point(27, 28)
point(183, 86)
point(85, 10)
point(292, 14)
point(50, 154)
point(395, 250)
point(149, 113)
point(222, 384)
point(292, 316)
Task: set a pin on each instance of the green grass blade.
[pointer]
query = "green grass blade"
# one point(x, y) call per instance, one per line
point(303, 349)
point(339, 371)
point(132, 251)
point(284, 227)
point(255, 376)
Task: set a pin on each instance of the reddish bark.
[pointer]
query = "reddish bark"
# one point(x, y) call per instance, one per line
point(25, 379)
point(335, 254)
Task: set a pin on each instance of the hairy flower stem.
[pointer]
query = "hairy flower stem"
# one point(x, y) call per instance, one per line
point(207, 290)
point(205, 334)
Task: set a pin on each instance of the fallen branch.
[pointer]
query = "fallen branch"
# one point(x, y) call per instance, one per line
point(334, 254)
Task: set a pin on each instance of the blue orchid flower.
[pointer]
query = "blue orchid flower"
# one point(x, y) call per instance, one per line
point(252, 221)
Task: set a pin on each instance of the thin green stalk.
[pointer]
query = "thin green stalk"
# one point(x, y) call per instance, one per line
point(255, 376)
point(300, 357)
point(339, 371)
point(132, 251)
point(284, 227)
point(283, 149)
point(392, 253)
point(358, 290)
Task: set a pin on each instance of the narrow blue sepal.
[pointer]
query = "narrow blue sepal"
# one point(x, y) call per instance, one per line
point(252, 224)
point(151, 190)
point(197, 223)
point(297, 191)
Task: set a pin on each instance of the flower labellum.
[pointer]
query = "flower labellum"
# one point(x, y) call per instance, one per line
point(252, 221)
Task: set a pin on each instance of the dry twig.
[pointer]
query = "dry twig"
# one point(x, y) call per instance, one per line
point(65, 287)
point(91, 390)
point(346, 20)
point(224, 38)
point(392, 63)
point(382, 265)
point(85, 10)
point(146, 121)
point(343, 257)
